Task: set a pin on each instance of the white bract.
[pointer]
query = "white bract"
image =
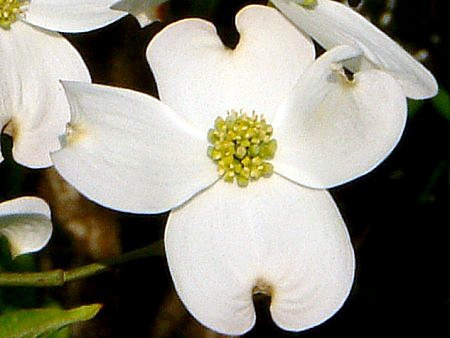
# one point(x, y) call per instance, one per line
point(331, 24)
point(26, 223)
point(224, 242)
point(33, 59)
point(145, 11)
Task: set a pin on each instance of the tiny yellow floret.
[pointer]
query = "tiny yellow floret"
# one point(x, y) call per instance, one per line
point(241, 146)
point(9, 10)
point(310, 4)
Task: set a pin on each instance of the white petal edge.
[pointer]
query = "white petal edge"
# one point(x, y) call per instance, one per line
point(4, 119)
point(33, 101)
point(331, 131)
point(226, 240)
point(71, 16)
point(145, 11)
point(26, 223)
point(129, 152)
point(331, 23)
point(202, 79)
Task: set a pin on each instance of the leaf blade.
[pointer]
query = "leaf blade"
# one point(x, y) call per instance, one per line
point(34, 322)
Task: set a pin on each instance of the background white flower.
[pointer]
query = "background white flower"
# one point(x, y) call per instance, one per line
point(26, 223)
point(132, 152)
point(71, 16)
point(332, 23)
point(33, 59)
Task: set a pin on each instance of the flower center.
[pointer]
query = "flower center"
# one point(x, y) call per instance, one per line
point(9, 10)
point(241, 146)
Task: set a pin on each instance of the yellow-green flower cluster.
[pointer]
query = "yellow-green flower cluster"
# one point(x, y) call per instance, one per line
point(9, 9)
point(241, 146)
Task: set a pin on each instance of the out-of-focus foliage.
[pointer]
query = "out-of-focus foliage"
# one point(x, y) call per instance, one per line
point(16, 298)
point(43, 322)
point(414, 106)
point(441, 103)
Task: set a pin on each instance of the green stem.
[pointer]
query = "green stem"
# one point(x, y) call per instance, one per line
point(60, 277)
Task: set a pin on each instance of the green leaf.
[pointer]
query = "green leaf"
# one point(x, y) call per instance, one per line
point(42, 322)
point(63, 333)
point(442, 103)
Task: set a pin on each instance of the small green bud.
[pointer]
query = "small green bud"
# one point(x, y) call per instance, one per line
point(310, 4)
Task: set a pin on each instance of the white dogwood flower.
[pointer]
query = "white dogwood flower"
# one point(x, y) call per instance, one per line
point(26, 223)
point(33, 59)
point(233, 147)
point(332, 23)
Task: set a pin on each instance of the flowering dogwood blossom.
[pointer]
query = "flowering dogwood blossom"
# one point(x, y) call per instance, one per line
point(34, 57)
point(240, 148)
point(26, 223)
point(331, 23)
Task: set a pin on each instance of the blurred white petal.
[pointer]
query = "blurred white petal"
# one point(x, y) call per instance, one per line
point(128, 151)
point(332, 23)
point(71, 16)
point(145, 11)
point(202, 79)
point(228, 240)
point(26, 223)
point(332, 130)
point(32, 100)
